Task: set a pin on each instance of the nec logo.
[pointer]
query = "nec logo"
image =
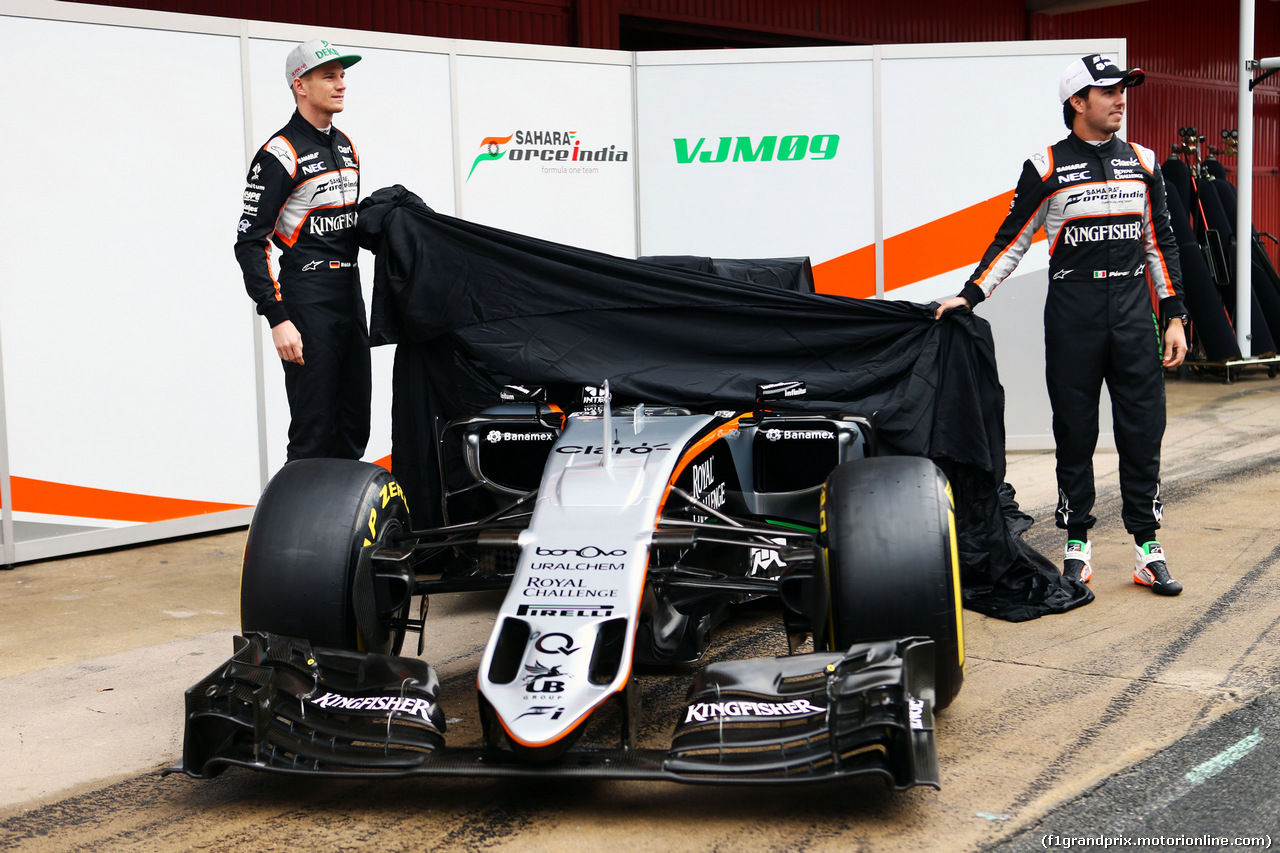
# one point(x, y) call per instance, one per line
point(1071, 177)
point(314, 167)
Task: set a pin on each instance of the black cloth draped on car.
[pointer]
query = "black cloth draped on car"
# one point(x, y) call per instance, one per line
point(472, 308)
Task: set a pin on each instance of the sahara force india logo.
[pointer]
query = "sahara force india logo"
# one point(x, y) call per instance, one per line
point(554, 148)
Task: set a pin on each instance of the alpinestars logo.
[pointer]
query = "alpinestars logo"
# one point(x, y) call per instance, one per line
point(556, 149)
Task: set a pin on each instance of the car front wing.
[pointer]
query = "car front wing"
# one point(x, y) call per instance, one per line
point(280, 705)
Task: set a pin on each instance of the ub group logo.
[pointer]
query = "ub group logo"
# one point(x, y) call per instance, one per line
point(558, 151)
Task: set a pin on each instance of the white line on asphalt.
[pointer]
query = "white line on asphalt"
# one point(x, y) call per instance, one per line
point(1224, 759)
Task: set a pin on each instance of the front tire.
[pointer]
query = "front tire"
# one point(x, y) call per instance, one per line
point(892, 563)
point(313, 521)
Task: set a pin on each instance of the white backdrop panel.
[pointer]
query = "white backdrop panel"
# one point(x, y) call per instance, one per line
point(550, 109)
point(957, 130)
point(126, 366)
point(937, 161)
point(816, 205)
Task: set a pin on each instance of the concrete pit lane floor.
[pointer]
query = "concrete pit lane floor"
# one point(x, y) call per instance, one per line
point(96, 652)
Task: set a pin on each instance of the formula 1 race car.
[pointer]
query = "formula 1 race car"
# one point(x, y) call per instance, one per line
point(622, 536)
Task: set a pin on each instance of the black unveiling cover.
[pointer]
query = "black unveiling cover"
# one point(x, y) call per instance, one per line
point(787, 273)
point(472, 308)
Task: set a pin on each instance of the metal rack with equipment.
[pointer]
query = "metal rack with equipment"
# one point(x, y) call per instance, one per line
point(1203, 206)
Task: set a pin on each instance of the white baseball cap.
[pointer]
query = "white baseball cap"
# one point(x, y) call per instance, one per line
point(313, 54)
point(1095, 70)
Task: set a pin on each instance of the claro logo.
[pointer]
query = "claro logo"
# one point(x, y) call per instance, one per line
point(745, 149)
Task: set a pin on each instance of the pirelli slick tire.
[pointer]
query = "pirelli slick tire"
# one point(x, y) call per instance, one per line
point(892, 567)
point(314, 520)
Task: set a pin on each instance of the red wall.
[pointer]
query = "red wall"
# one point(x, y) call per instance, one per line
point(843, 22)
point(1190, 54)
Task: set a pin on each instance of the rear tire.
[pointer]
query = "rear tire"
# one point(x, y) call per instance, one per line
point(311, 524)
point(892, 563)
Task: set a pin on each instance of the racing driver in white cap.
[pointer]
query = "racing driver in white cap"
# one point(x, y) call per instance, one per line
point(302, 190)
point(1113, 278)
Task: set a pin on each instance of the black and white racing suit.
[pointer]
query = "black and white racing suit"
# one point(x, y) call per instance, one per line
point(1112, 256)
point(301, 194)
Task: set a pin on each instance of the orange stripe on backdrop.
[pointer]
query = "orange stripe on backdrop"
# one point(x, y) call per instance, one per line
point(952, 242)
point(853, 274)
point(41, 496)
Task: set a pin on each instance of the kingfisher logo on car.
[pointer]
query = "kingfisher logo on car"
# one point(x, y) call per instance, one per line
point(398, 704)
point(703, 711)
